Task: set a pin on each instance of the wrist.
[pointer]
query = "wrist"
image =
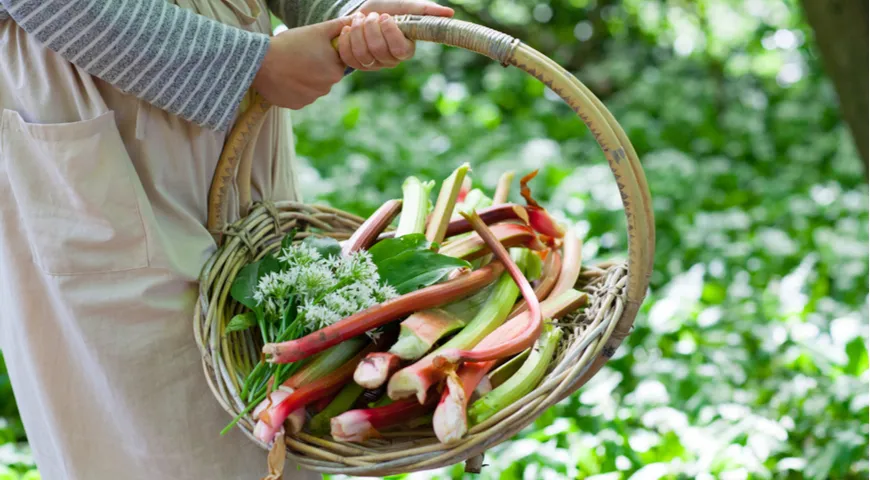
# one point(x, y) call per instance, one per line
point(263, 72)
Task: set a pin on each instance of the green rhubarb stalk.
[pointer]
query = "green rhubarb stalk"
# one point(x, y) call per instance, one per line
point(417, 378)
point(326, 361)
point(507, 369)
point(503, 188)
point(524, 381)
point(445, 203)
point(344, 401)
point(420, 331)
point(415, 206)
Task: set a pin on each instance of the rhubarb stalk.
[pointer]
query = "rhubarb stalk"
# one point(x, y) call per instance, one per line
point(550, 274)
point(444, 205)
point(419, 332)
point(340, 404)
point(490, 215)
point(572, 249)
point(365, 235)
point(523, 382)
point(503, 188)
point(470, 375)
point(415, 204)
point(506, 234)
point(374, 370)
point(362, 424)
point(275, 415)
point(532, 330)
point(373, 317)
point(416, 379)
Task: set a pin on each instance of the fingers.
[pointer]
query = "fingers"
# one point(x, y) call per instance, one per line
point(345, 50)
point(400, 47)
point(376, 42)
point(358, 44)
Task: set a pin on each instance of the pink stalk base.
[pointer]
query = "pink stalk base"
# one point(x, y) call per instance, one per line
point(539, 218)
point(535, 323)
point(374, 370)
point(360, 425)
point(361, 322)
point(450, 421)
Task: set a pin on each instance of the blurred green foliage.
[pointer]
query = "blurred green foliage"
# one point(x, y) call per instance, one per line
point(749, 358)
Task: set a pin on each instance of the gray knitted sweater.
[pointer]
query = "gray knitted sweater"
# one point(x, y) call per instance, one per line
point(173, 58)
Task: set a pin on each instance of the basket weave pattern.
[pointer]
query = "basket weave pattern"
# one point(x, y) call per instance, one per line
point(592, 334)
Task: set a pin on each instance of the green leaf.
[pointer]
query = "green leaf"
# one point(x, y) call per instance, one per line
point(388, 248)
point(249, 276)
point(412, 270)
point(327, 246)
point(242, 321)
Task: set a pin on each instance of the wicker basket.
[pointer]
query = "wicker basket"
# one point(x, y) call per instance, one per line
point(616, 290)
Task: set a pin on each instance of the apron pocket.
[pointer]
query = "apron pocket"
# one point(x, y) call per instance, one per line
point(73, 185)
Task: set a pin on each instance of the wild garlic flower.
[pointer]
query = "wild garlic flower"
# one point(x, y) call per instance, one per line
point(326, 289)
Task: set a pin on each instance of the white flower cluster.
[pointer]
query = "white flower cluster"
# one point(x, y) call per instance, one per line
point(326, 289)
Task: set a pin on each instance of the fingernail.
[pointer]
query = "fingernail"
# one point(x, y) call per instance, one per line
point(344, 30)
point(384, 18)
point(357, 20)
point(372, 16)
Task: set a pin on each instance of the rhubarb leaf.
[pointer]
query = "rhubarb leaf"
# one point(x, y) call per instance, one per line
point(242, 321)
point(327, 246)
point(411, 270)
point(245, 283)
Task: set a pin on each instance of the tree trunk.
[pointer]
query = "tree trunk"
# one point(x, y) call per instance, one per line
point(841, 32)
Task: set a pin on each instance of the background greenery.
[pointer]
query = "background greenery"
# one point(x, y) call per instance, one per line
point(749, 358)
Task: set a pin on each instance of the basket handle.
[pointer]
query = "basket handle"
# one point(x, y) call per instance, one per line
point(508, 51)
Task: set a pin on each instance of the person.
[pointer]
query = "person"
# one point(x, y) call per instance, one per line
point(114, 114)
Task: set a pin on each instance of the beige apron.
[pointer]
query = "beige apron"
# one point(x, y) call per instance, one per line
point(102, 213)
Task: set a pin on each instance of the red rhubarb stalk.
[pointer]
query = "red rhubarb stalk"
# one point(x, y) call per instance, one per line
point(549, 276)
point(535, 320)
point(275, 415)
point(464, 189)
point(419, 377)
point(468, 378)
point(539, 219)
point(572, 249)
point(373, 317)
point(506, 234)
point(362, 424)
point(365, 235)
point(490, 215)
point(374, 370)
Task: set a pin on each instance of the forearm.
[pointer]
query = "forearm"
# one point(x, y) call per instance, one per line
point(298, 13)
point(184, 63)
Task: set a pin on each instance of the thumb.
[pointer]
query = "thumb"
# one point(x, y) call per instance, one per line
point(332, 28)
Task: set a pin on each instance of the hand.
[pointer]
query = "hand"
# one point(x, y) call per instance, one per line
point(301, 65)
point(373, 41)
